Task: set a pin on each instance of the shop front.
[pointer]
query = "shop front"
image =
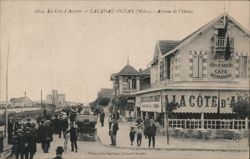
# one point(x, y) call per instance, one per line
point(193, 103)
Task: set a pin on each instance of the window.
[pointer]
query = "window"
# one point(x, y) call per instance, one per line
point(168, 67)
point(133, 83)
point(161, 71)
point(243, 66)
point(197, 66)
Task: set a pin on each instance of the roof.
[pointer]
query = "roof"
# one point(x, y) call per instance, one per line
point(145, 71)
point(170, 46)
point(20, 99)
point(128, 70)
point(105, 93)
point(167, 45)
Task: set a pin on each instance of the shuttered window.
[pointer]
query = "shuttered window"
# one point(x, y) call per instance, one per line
point(243, 66)
point(197, 66)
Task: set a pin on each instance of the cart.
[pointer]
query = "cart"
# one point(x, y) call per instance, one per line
point(86, 127)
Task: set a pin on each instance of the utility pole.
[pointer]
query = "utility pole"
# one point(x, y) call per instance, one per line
point(6, 106)
point(41, 101)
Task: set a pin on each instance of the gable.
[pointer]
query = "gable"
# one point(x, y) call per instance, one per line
point(211, 24)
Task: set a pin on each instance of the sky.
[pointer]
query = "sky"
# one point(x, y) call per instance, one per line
point(76, 53)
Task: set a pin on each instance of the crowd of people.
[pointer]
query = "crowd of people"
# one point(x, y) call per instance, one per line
point(146, 127)
point(25, 135)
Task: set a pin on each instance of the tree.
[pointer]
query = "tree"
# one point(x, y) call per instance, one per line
point(103, 101)
point(119, 102)
point(241, 107)
point(169, 108)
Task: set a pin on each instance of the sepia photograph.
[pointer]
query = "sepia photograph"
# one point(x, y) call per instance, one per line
point(117, 79)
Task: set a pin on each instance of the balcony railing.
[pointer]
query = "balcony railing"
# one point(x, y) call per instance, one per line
point(221, 43)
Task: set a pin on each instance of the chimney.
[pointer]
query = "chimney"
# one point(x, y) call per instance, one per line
point(24, 94)
point(140, 70)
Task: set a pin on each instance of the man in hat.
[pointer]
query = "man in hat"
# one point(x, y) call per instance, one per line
point(10, 129)
point(151, 133)
point(102, 116)
point(19, 151)
point(59, 152)
point(73, 137)
point(113, 130)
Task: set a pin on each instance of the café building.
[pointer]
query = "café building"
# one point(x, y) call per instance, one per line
point(205, 73)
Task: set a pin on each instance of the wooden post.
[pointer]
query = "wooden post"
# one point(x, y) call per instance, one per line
point(167, 130)
point(185, 124)
point(246, 123)
point(233, 124)
point(202, 120)
point(165, 123)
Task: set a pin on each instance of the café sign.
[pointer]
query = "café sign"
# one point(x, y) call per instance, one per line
point(221, 69)
point(203, 101)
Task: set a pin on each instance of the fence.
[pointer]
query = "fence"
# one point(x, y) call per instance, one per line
point(209, 123)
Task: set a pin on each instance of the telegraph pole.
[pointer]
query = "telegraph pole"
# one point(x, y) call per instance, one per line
point(6, 106)
point(41, 100)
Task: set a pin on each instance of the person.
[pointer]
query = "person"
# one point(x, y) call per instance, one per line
point(55, 123)
point(139, 121)
point(49, 135)
point(10, 130)
point(114, 129)
point(146, 125)
point(73, 137)
point(17, 126)
point(28, 123)
point(43, 136)
point(59, 152)
point(116, 115)
point(33, 141)
point(110, 121)
point(151, 133)
point(102, 116)
point(19, 144)
point(139, 134)
point(132, 135)
point(64, 125)
point(27, 138)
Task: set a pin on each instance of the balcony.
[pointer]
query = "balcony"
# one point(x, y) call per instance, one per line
point(221, 43)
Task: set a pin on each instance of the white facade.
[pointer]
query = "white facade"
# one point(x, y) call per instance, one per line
point(195, 73)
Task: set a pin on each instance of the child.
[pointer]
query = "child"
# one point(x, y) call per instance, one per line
point(139, 135)
point(132, 135)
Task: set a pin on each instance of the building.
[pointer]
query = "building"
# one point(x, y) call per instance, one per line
point(126, 82)
point(21, 102)
point(105, 93)
point(205, 72)
point(56, 99)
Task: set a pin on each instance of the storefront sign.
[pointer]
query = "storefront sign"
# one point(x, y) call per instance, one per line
point(221, 69)
point(203, 101)
point(130, 101)
point(151, 103)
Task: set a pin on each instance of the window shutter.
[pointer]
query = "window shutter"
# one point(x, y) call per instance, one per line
point(195, 66)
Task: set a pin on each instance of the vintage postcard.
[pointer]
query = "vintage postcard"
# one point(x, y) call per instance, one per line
point(124, 79)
